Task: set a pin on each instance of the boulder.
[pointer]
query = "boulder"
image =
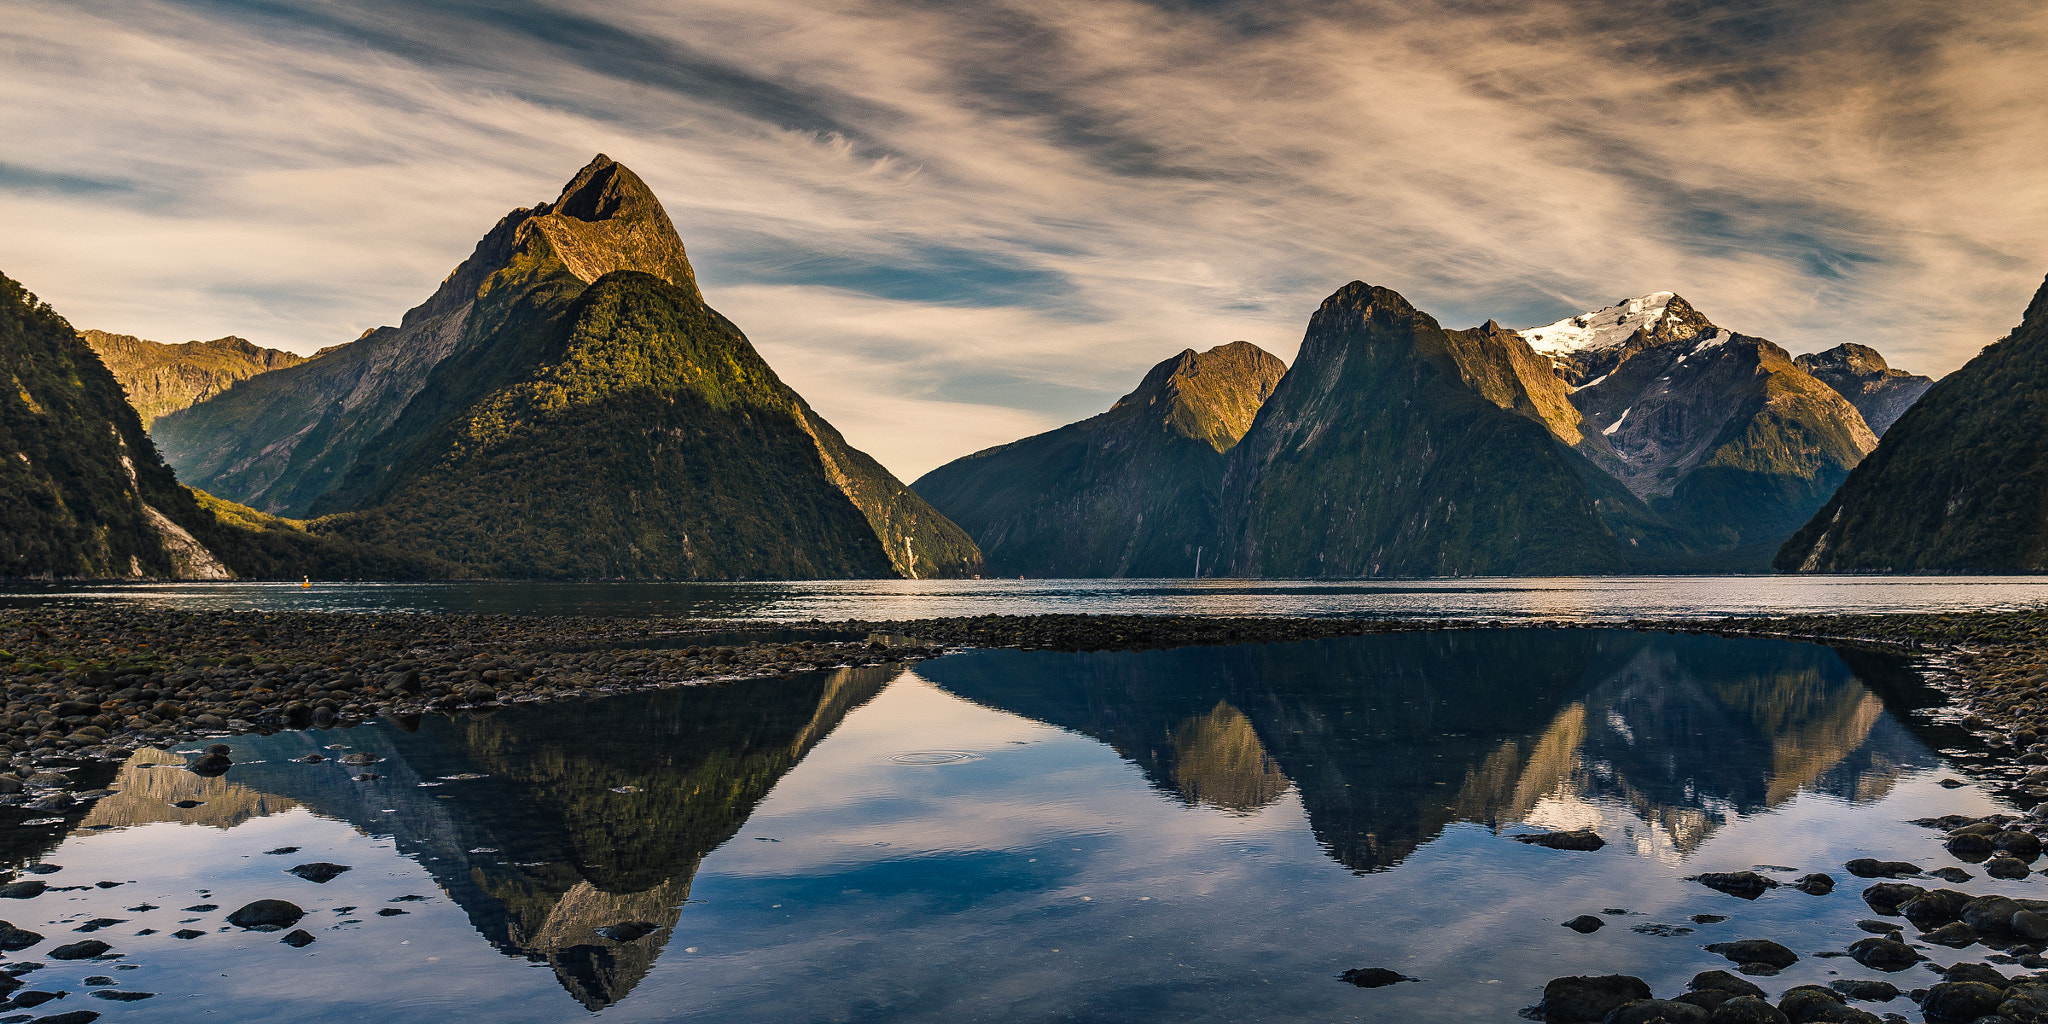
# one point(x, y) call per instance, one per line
point(1990, 914)
point(1755, 951)
point(1866, 991)
point(319, 871)
point(2006, 867)
point(1887, 897)
point(1585, 924)
point(1815, 884)
point(1747, 1010)
point(267, 915)
point(1578, 839)
point(1887, 955)
point(1590, 998)
point(1722, 981)
point(82, 950)
point(1657, 1011)
point(1866, 867)
point(1746, 884)
point(1954, 935)
point(1363, 977)
point(1961, 1001)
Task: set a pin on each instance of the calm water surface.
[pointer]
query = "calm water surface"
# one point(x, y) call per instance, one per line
point(1195, 834)
point(1578, 598)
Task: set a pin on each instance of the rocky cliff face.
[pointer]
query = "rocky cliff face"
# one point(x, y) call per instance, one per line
point(1860, 374)
point(83, 491)
point(567, 405)
point(161, 379)
point(1395, 447)
point(1131, 492)
point(1958, 483)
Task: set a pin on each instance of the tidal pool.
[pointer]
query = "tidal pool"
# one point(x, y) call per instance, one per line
point(1191, 834)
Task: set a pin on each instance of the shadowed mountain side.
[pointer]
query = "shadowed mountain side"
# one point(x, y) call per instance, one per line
point(1959, 482)
point(1396, 448)
point(582, 821)
point(1520, 725)
point(1129, 493)
point(161, 379)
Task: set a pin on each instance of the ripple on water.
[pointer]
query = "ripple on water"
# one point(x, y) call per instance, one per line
point(933, 758)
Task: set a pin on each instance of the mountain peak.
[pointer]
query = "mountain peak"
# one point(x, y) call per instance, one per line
point(1602, 329)
point(1209, 396)
point(607, 219)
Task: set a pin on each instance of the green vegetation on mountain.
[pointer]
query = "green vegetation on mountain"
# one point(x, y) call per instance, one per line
point(1958, 484)
point(1397, 448)
point(83, 491)
point(1131, 492)
point(161, 379)
point(566, 405)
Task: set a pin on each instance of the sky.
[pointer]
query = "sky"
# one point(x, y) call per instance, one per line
point(951, 225)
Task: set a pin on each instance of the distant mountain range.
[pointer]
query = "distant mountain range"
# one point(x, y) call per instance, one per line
point(565, 405)
point(1639, 437)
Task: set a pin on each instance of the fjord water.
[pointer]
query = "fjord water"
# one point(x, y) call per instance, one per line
point(1188, 834)
point(1570, 598)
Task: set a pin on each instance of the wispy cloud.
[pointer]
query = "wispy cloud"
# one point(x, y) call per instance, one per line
point(948, 223)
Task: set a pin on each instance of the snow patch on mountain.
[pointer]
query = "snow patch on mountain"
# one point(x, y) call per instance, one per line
point(1602, 328)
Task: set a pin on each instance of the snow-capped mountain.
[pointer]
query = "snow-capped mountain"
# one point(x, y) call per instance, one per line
point(1584, 349)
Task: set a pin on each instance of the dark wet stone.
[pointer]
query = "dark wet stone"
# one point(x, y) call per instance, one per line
point(1747, 1010)
point(1969, 846)
point(73, 1017)
point(1887, 897)
point(29, 1000)
point(1976, 972)
point(629, 931)
point(2006, 867)
point(1866, 867)
point(1722, 981)
point(390, 912)
point(1657, 1011)
point(298, 938)
point(1708, 919)
point(1363, 977)
point(408, 898)
point(1578, 839)
point(43, 869)
point(1746, 884)
point(2026, 1002)
point(360, 758)
point(1961, 1001)
point(23, 890)
point(1879, 927)
point(311, 759)
point(1954, 934)
point(1807, 1003)
point(1707, 1000)
point(122, 995)
point(186, 805)
point(98, 980)
point(201, 908)
point(1952, 874)
point(267, 915)
point(1755, 951)
point(1887, 955)
point(1816, 884)
point(1951, 783)
point(1934, 909)
point(2024, 846)
point(319, 871)
point(1585, 924)
point(282, 850)
point(2026, 924)
point(1758, 970)
point(1990, 915)
point(14, 940)
point(98, 923)
point(187, 933)
point(210, 764)
point(84, 949)
point(1590, 998)
point(1867, 991)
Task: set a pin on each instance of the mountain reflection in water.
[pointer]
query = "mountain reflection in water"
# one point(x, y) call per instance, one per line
point(586, 815)
point(547, 823)
point(1389, 739)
